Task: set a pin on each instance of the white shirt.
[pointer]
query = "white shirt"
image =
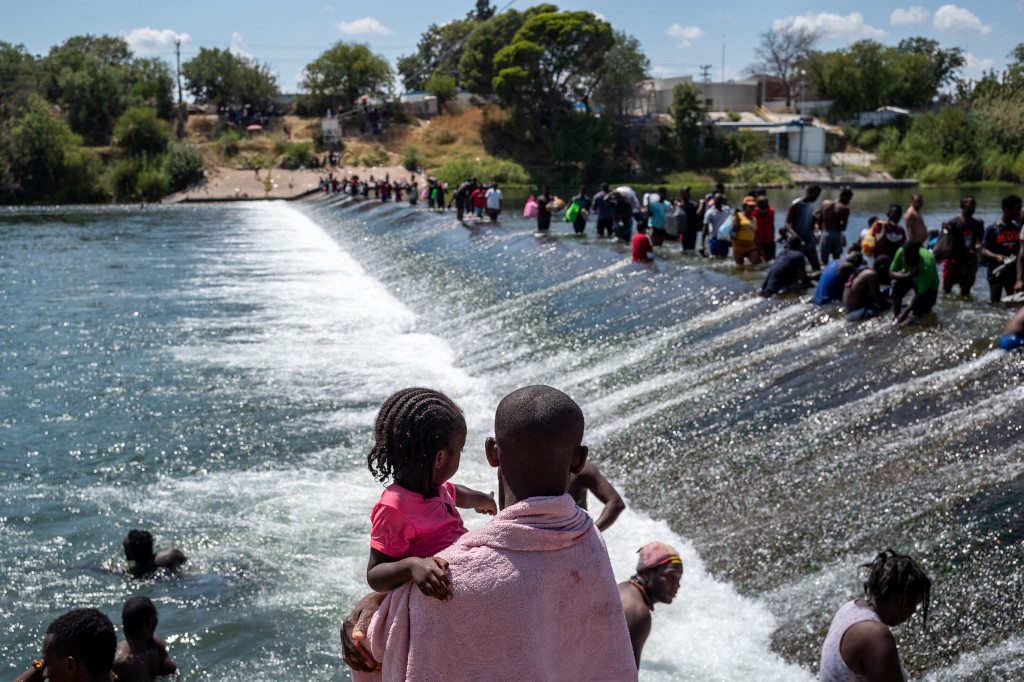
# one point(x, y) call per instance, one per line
point(494, 198)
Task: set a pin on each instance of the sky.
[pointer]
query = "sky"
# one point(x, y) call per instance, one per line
point(678, 37)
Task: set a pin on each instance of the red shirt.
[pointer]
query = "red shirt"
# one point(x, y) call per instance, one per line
point(404, 523)
point(642, 248)
point(479, 198)
point(765, 225)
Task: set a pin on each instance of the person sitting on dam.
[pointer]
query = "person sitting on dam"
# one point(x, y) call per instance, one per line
point(860, 644)
point(788, 272)
point(656, 581)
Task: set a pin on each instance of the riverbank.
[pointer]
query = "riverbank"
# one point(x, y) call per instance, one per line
point(232, 184)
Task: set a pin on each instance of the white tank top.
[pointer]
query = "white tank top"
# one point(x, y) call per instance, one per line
point(833, 668)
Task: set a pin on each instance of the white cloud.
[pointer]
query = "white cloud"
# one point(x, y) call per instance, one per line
point(237, 46)
point(828, 25)
point(907, 16)
point(959, 21)
point(364, 26)
point(148, 41)
point(684, 33)
point(977, 66)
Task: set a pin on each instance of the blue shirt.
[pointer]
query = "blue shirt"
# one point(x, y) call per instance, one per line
point(830, 287)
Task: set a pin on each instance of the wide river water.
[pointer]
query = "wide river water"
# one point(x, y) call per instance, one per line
point(211, 373)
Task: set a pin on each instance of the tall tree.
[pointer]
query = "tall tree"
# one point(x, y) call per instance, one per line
point(152, 84)
point(220, 77)
point(19, 78)
point(780, 51)
point(554, 60)
point(438, 51)
point(476, 66)
point(625, 67)
point(89, 76)
point(1014, 79)
point(343, 73)
point(688, 114)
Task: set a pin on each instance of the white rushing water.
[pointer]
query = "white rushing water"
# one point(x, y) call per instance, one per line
point(325, 330)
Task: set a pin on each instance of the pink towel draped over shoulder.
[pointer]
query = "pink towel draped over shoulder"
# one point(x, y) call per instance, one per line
point(534, 599)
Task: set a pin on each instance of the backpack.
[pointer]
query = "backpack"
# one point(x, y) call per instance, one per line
point(530, 209)
point(943, 248)
point(572, 212)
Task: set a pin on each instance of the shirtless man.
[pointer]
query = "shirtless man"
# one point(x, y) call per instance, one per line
point(589, 478)
point(143, 562)
point(863, 298)
point(834, 216)
point(141, 656)
point(914, 223)
point(658, 571)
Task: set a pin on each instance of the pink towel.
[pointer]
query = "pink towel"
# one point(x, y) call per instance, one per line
point(534, 599)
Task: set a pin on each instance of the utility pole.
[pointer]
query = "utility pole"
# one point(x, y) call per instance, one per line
point(705, 73)
point(181, 112)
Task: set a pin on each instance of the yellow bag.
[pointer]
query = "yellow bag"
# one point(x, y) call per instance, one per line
point(868, 244)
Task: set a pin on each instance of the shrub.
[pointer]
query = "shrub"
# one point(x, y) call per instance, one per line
point(761, 172)
point(184, 166)
point(228, 141)
point(296, 154)
point(153, 183)
point(487, 170)
point(83, 171)
point(440, 136)
point(140, 133)
point(746, 145)
point(411, 157)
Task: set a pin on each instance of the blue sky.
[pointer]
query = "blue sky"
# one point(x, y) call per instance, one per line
point(677, 37)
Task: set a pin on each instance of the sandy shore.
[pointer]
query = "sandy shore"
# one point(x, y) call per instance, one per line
point(227, 184)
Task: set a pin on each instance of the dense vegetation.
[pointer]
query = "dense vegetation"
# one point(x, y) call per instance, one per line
point(563, 96)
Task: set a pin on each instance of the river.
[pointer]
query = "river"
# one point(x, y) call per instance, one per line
point(211, 373)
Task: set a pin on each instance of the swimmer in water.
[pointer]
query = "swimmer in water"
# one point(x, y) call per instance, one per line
point(143, 562)
point(658, 572)
point(590, 479)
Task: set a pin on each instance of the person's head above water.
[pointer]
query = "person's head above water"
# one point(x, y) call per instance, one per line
point(417, 432)
point(895, 586)
point(138, 614)
point(536, 447)
point(659, 569)
point(138, 546)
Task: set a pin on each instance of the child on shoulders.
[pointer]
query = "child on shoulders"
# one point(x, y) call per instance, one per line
point(418, 436)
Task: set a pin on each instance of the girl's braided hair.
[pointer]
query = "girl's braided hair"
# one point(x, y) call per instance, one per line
point(891, 575)
point(412, 425)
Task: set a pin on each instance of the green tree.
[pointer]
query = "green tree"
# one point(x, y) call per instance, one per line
point(780, 51)
point(689, 114)
point(47, 159)
point(89, 76)
point(1014, 78)
point(140, 133)
point(343, 73)
point(944, 63)
point(220, 77)
point(152, 84)
point(625, 67)
point(441, 86)
point(438, 51)
point(554, 60)
point(476, 65)
point(19, 78)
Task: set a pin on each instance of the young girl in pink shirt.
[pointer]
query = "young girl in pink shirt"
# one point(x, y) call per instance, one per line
point(418, 437)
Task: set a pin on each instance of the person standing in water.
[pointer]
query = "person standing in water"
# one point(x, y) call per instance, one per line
point(860, 644)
